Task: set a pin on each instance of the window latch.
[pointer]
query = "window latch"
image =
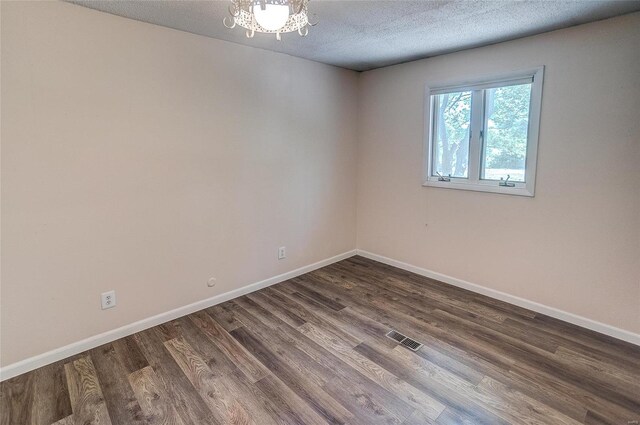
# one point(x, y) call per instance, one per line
point(442, 178)
point(506, 183)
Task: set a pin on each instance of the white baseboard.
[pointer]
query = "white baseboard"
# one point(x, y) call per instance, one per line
point(52, 356)
point(584, 322)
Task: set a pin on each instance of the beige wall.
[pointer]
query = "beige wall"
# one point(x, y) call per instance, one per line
point(576, 245)
point(146, 160)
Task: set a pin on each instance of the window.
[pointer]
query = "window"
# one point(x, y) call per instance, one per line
point(483, 135)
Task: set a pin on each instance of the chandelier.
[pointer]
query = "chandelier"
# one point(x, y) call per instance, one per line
point(269, 16)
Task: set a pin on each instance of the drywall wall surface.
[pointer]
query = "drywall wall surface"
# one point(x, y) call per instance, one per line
point(147, 160)
point(575, 246)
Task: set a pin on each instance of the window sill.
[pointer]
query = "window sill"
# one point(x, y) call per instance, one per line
point(520, 189)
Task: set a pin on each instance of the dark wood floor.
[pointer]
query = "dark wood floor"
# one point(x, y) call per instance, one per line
point(313, 350)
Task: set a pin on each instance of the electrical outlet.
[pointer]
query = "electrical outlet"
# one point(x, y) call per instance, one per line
point(282, 253)
point(108, 299)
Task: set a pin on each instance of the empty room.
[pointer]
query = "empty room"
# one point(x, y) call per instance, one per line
point(320, 212)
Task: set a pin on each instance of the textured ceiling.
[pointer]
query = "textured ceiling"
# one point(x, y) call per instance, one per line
point(363, 35)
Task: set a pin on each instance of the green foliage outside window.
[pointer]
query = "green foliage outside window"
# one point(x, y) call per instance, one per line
point(507, 110)
point(505, 141)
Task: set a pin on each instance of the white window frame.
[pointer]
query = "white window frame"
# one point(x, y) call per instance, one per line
point(473, 182)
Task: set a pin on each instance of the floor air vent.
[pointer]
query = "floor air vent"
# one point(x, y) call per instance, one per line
point(396, 336)
point(411, 344)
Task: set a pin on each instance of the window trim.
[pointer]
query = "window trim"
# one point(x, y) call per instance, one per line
point(476, 85)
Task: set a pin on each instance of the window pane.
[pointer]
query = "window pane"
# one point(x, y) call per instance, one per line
point(452, 118)
point(505, 134)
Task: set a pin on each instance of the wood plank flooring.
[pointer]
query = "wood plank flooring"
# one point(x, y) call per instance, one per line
point(313, 350)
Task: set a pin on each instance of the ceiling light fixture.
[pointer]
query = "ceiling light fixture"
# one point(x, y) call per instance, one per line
point(269, 16)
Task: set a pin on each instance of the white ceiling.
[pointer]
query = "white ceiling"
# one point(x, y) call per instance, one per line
point(363, 35)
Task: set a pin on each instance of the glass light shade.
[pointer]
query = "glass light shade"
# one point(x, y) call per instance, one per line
point(272, 17)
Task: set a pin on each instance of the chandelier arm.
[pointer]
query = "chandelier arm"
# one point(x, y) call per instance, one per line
point(227, 19)
point(313, 24)
point(234, 9)
point(300, 6)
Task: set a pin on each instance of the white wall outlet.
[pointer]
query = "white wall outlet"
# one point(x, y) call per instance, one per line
point(211, 282)
point(282, 253)
point(108, 299)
